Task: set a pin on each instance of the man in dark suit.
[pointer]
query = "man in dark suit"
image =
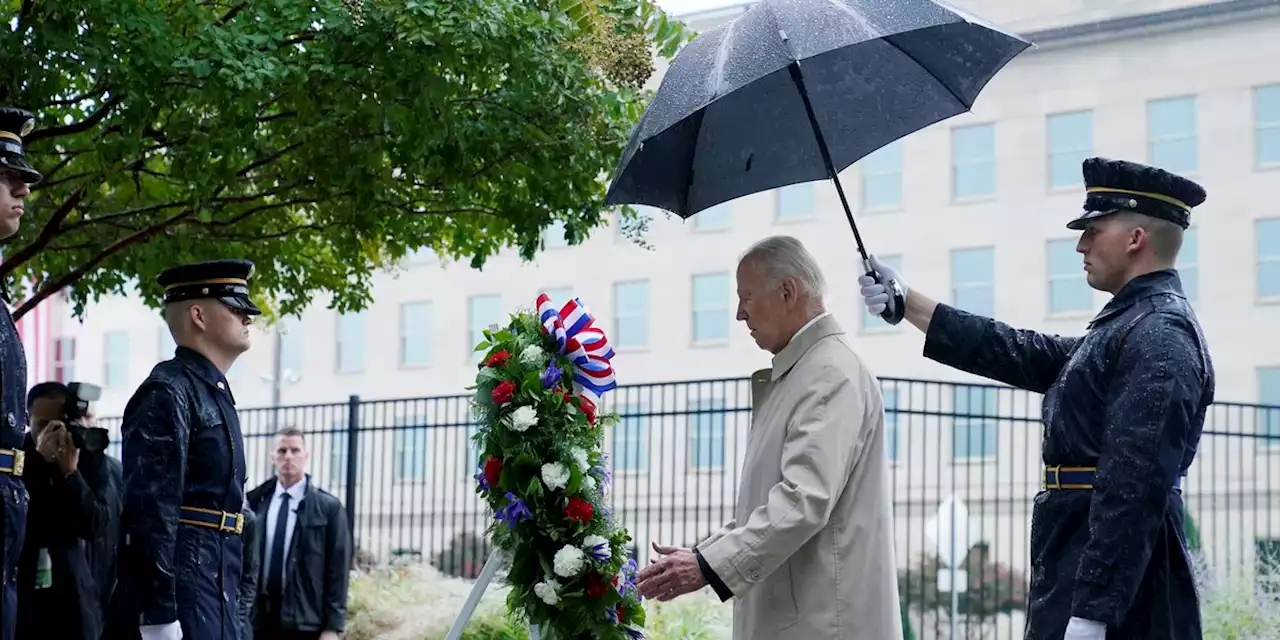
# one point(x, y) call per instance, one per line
point(305, 550)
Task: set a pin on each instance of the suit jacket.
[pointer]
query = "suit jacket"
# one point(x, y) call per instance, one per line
point(809, 553)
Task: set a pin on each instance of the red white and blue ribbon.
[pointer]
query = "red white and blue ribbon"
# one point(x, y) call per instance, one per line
point(585, 345)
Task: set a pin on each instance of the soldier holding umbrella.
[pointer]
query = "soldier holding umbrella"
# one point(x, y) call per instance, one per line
point(1124, 407)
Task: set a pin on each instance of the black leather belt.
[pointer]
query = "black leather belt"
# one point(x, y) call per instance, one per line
point(1060, 478)
point(208, 518)
point(12, 461)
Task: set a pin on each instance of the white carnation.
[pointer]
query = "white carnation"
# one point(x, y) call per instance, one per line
point(580, 456)
point(547, 590)
point(523, 418)
point(590, 543)
point(589, 482)
point(568, 561)
point(555, 475)
point(533, 356)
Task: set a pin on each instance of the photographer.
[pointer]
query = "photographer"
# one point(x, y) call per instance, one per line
point(74, 505)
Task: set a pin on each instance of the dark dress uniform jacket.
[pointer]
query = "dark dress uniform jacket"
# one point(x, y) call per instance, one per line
point(1130, 399)
point(13, 494)
point(182, 446)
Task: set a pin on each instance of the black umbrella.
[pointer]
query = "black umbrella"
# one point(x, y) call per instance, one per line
point(796, 90)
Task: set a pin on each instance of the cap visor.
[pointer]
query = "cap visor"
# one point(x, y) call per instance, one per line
point(28, 173)
point(241, 304)
point(1079, 223)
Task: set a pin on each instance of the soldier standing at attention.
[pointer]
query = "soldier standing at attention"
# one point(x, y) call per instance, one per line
point(184, 469)
point(15, 176)
point(1124, 407)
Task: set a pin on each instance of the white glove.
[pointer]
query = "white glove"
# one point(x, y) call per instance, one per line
point(1081, 629)
point(171, 631)
point(874, 294)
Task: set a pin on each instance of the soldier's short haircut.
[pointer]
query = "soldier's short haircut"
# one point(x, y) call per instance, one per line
point(1166, 237)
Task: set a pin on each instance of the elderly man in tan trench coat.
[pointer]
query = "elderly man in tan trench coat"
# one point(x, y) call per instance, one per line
point(809, 553)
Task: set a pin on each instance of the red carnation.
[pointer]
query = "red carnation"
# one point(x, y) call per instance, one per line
point(622, 614)
point(503, 392)
point(595, 586)
point(499, 359)
point(493, 470)
point(588, 407)
point(579, 510)
point(566, 396)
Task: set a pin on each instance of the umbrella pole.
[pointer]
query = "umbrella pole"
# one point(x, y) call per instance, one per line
point(896, 306)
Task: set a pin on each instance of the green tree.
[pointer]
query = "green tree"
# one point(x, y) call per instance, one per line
point(324, 140)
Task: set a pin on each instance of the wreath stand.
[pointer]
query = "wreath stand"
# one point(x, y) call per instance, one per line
point(496, 559)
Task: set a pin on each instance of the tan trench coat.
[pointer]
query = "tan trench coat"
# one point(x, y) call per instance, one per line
point(809, 553)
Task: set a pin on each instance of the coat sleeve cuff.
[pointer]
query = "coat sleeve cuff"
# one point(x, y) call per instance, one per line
point(736, 567)
point(712, 579)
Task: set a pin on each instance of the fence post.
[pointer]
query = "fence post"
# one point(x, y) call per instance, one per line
point(353, 458)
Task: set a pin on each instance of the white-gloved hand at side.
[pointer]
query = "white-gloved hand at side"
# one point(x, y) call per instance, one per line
point(171, 631)
point(1081, 629)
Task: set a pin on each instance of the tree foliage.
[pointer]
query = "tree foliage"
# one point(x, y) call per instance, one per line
point(323, 140)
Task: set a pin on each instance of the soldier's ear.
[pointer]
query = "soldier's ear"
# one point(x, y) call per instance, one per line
point(197, 314)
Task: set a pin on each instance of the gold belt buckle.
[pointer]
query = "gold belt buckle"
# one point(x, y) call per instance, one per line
point(1056, 470)
point(239, 523)
point(19, 462)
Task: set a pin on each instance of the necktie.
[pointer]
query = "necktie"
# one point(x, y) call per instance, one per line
point(275, 570)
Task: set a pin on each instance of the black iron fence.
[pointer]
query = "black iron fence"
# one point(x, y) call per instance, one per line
point(964, 461)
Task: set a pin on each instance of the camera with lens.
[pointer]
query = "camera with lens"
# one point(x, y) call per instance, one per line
point(79, 395)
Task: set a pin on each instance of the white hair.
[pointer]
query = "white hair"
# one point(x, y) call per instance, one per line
point(782, 257)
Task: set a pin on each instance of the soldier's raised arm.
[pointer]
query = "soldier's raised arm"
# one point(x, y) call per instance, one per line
point(1159, 392)
point(154, 452)
point(976, 344)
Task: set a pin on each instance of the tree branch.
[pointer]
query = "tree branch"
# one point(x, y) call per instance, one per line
point(76, 127)
point(46, 235)
point(267, 160)
point(49, 288)
point(112, 217)
point(235, 11)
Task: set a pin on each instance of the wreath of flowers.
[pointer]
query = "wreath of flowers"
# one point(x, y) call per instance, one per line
point(545, 477)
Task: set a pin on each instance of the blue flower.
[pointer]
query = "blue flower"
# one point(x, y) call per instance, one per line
point(480, 480)
point(628, 583)
point(634, 632)
point(611, 614)
point(551, 376)
point(514, 512)
point(601, 470)
point(599, 552)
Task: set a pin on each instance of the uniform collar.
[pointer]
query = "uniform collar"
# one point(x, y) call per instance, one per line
point(204, 368)
point(816, 329)
point(1164, 281)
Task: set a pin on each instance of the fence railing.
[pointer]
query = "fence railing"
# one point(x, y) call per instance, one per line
point(404, 469)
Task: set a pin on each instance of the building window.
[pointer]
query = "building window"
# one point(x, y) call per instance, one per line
point(882, 177)
point(1268, 234)
point(1070, 139)
point(973, 275)
point(410, 443)
point(872, 322)
point(1171, 134)
point(891, 415)
point(974, 431)
point(630, 314)
point(415, 333)
point(64, 360)
point(706, 440)
point(559, 295)
point(630, 439)
point(973, 161)
point(165, 345)
point(1069, 291)
point(116, 359)
point(713, 218)
point(1266, 118)
point(350, 342)
point(291, 347)
point(482, 311)
point(795, 201)
point(1269, 395)
point(710, 307)
point(1188, 264)
point(554, 235)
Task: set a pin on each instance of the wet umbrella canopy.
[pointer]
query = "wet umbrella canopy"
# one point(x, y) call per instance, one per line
point(796, 90)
